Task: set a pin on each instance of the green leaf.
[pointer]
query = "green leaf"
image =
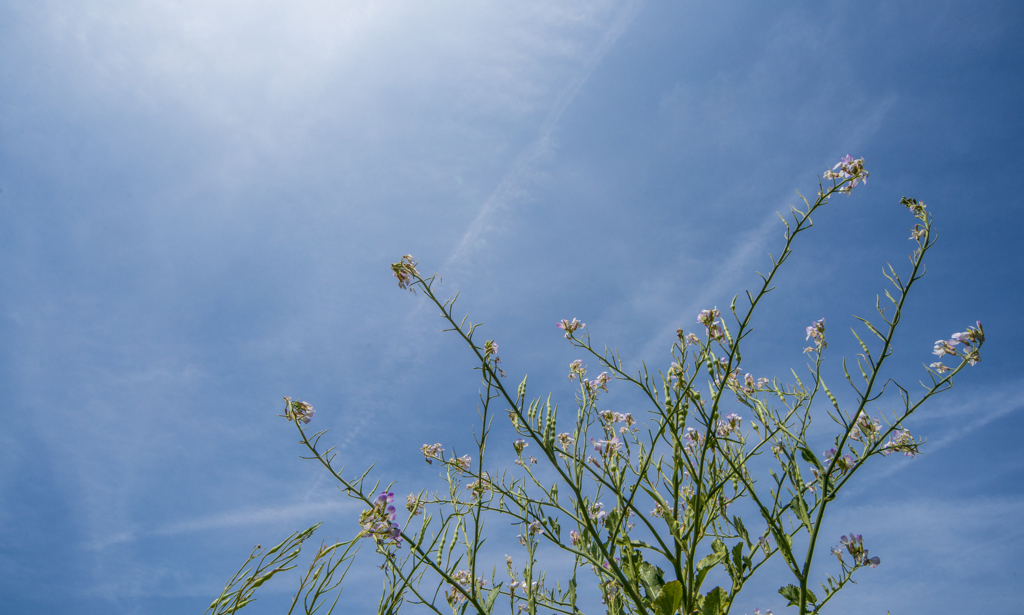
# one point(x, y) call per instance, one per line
point(742, 531)
point(792, 593)
point(737, 559)
point(670, 599)
point(718, 546)
point(714, 601)
point(652, 578)
point(710, 560)
point(491, 597)
point(810, 458)
point(556, 529)
point(800, 508)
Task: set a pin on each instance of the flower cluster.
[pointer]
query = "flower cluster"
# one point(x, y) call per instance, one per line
point(597, 513)
point(414, 505)
point(708, 318)
point(379, 520)
point(519, 445)
point(570, 326)
point(480, 486)
point(464, 578)
point(915, 207)
point(491, 350)
point(844, 463)
point(687, 338)
point(816, 332)
point(901, 442)
point(848, 169)
point(405, 271)
point(575, 538)
point(693, 439)
point(607, 448)
point(461, 463)
point(865, 429)
point(854, 544)
point(610, 418)
point(565, 441)
point(676, 374)
point(577, 370)
point(298, 411)
point(971, 339)
point(601, 382)
point(432, 452)
point(729, 424)
point(750, 384)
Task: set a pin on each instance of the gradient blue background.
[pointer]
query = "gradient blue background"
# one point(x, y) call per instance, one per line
point(200, 201)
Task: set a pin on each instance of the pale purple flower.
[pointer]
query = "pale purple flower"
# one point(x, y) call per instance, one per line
point(577, 370)
point(601, 382)
point(901, 442)
point(575, 538)
point(854, 544)
point(729, 424)
point(535, 528)
point(413, 505)
point(298, 411)
point(817, 332)
point(405, 271)
point(706, 317)
point(570, 327)
point(916, 207)
point(944, 347)
point(462, 463)
point(432, 452)
point(519, 445)
point(379, 520)
point(940, 367)
point(693, 439)
point(607, 447)
point(848, 169)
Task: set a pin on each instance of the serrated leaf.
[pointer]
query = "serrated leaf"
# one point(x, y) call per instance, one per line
point(792, 593)
point(718, 546)
point(737, 559)
point(652, 578)
point(669, 600)
point(742, 531)
point(710, 560)
point(714, 601)
point(800, 508)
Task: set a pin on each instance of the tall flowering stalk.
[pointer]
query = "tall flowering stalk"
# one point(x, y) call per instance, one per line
point(648, 507)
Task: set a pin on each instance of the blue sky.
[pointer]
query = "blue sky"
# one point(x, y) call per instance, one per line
point(200, 202)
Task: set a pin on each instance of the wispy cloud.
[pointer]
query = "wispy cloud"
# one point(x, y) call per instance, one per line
point(243, 517)
point(513, 185)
